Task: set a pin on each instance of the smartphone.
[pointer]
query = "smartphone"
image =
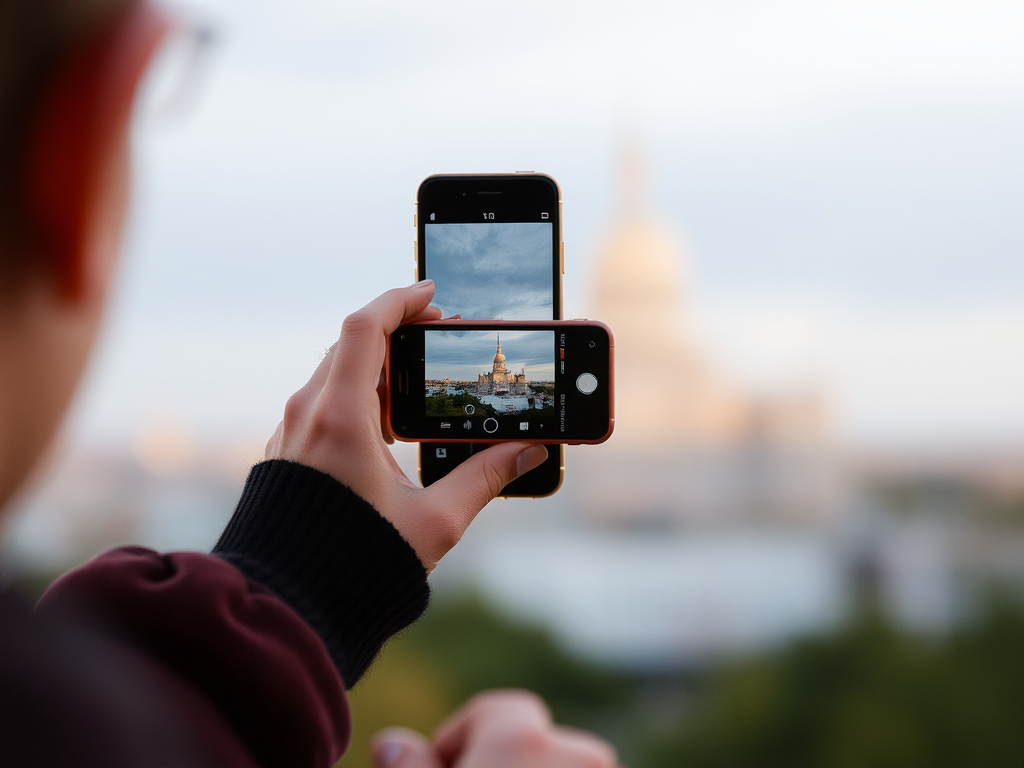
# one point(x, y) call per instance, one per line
point(464, 381)
point(492, 243)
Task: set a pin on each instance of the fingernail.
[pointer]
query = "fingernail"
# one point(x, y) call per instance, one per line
point(387, 752)
point(428, 283)
point(530, 458)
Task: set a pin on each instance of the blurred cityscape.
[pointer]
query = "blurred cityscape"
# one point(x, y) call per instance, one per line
point(718, 525)
point(716, 521)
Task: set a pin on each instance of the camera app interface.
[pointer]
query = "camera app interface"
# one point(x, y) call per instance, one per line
point(491, 270)
point(485, 381)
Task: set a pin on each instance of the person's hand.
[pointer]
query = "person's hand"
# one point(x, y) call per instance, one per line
point(495, 729)
point(334, 424)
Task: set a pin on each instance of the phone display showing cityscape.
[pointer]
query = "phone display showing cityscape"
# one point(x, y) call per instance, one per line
point(468, 374)
point(466, 381)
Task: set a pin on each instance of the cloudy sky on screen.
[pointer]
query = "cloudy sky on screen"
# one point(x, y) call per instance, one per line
point(846, 178)
point(464, 356)
point(491, 271)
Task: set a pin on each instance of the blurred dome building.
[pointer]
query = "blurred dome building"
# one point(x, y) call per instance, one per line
point(667, 392)
point(688, 445)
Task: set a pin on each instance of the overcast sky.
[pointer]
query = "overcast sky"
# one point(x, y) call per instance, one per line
point(847, 179)
point(464, 356)
point(491, 271)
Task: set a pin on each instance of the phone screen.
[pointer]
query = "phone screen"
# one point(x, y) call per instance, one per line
point(491, 271)
point(469, 373)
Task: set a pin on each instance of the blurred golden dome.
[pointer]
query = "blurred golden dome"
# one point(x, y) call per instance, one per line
point(665, 391)
point(687, 443)
point(639, 269)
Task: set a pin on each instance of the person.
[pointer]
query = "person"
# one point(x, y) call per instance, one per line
point(240, 657)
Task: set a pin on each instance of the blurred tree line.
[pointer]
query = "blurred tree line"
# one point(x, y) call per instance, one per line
point(868, 694)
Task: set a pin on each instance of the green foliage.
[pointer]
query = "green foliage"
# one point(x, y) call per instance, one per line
point(867, 696)
point(478, 649)
point(455, 405)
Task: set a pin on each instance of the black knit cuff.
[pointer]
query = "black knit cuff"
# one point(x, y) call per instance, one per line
point(329, 555)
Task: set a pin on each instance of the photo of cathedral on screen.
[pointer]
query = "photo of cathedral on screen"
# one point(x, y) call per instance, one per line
point(497, 391)
point(498, 381)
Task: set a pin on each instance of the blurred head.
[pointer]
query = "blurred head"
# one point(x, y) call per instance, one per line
point(68, 71)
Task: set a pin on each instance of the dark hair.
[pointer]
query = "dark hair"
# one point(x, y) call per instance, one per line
point(35, 37)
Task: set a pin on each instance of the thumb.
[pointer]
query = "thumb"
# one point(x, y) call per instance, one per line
point(473, 483)
point(403, 748)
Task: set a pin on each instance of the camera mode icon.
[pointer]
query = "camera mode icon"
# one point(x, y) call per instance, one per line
point(441, 453)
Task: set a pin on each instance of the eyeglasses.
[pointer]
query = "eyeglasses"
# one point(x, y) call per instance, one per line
point(176, 70)
point(86, 105)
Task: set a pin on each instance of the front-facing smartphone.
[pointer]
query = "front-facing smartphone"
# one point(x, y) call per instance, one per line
point(465, 381)
point(492, 244)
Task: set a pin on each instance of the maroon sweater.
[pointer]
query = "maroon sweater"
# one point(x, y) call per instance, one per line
point(238, 658)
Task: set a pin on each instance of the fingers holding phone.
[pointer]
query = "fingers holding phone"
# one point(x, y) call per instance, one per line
point(333, 424)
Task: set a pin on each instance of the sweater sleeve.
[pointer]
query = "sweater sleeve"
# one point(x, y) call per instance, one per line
point(305, 585)
point(246, 654)
point(331, 556)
